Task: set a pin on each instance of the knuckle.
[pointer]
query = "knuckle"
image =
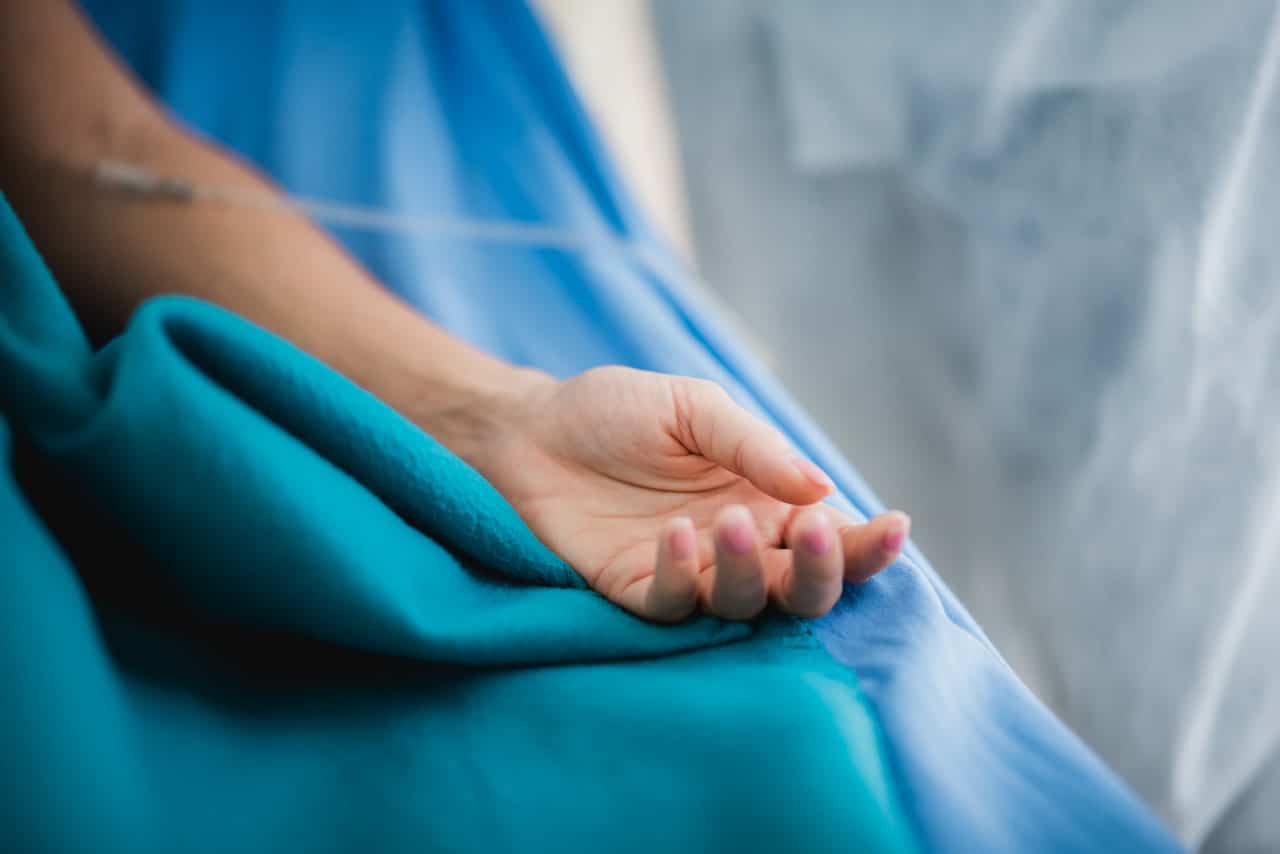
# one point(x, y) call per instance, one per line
point(707, 391)
point(740, 455)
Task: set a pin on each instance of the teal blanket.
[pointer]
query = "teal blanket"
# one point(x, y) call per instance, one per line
point(245, 606)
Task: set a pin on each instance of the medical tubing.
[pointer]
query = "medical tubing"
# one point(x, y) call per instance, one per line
point(128, 177)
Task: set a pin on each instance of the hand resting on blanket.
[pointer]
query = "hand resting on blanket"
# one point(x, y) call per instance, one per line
point(668, 497)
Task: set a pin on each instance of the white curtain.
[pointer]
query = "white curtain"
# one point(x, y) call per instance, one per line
point(1019, 258)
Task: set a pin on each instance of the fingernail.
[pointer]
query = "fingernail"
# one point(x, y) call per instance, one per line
point(812, 473)
point(737, 535)
point(681, 540)
point(897, 533)
point(817, 540)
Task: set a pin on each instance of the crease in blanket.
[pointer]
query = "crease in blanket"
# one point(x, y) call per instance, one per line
point(245, 606)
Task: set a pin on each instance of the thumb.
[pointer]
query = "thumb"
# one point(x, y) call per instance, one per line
point(713, 426)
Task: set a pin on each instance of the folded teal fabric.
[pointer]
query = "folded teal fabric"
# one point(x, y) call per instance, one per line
point(244, 606)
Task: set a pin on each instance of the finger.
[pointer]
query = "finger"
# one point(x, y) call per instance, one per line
point(673, 592)
point(812, 582)
point(717, 428)
point(870, 547)
point(738, 590)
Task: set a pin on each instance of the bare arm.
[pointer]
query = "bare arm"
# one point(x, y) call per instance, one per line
point(77, 105)
point(660, 491)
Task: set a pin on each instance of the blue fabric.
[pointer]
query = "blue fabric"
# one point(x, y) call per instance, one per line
point(245, 606)
point(459, 108)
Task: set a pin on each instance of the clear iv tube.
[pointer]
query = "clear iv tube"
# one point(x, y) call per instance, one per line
point(122, 176)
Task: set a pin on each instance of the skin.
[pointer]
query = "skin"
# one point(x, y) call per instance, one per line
point(664, 494)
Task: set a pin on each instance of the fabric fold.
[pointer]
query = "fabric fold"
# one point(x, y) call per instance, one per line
point(265, 485)
point(246, 606)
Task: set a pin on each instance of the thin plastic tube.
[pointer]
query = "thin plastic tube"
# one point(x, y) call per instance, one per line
point(123, 176)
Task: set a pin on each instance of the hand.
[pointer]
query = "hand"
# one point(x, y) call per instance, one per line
point(666, 496)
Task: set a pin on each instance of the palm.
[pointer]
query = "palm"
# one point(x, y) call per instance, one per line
point(608, 535)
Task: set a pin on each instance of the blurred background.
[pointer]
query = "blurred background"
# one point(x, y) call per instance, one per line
point(1018, 259)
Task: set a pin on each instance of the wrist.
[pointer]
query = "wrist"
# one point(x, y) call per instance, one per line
point(480, 409)
point(464, 398)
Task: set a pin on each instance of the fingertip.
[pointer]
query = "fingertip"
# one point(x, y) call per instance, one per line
point(812, 475)
point(795, 480)
point(680, 538)
point(812, 531)
point(735, 530)
point(896, 529)
point(872, 546)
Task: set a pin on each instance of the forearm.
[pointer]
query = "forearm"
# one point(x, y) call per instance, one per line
point(110, 251)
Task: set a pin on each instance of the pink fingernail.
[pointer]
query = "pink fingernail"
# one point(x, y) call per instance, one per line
point(812, 473)
point(816, 540)
point(681, 541)
point(737, 535)
point(897, 535)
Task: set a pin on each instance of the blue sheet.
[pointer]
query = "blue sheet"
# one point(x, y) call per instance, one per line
point(458, 108)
